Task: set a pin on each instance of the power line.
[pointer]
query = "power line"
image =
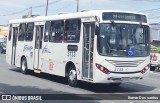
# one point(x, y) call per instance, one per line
point(14, 13)
point(39, 6)
point(50, 3)
point(56, 1)
point(150, 10)
point(148, 0)
point(63, 7)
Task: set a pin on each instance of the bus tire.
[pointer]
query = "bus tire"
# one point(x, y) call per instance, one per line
point(152, 68)
point(24, 67)
point(72, 76)
point(156, 68)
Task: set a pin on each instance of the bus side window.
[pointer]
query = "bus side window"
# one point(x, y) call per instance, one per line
point(22, 32)
point(72, 30)
point(47, 31)
point(29, 34)
point(57, 30)
point(10, 32)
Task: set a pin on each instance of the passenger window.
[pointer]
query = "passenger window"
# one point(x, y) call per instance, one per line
point(72, 30)
point(29, 34)
point(15, 33)
point(10, 32)
point(47, 31)
point(57, 30)
point(22, 32)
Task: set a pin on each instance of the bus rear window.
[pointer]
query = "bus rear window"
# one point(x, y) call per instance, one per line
point(10, 32)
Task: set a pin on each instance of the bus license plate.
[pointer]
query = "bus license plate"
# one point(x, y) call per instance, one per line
point(125, 78)
point(118, 69)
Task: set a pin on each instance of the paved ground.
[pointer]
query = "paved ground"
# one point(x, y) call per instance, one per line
point(13, 82)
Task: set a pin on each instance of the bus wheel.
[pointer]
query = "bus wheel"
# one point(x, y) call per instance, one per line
point(72, 77)
point(115, 84)
point(24, 68)
point(157, 68)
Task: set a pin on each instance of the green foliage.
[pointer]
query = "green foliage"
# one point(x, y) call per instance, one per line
point(155, 50)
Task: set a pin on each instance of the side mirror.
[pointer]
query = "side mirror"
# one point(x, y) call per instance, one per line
point(97, 31)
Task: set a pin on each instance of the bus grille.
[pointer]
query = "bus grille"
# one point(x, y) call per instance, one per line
point(125, 63)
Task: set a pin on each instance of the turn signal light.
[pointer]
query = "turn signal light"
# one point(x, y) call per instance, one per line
point(103, 69)
point(145, 69)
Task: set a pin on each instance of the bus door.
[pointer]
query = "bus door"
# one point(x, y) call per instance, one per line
point(88, 44)
point(38, 47)
point(14, 44)
point(11, 44)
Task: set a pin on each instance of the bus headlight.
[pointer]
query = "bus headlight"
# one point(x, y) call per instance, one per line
point(145, 69)
point(103, 69)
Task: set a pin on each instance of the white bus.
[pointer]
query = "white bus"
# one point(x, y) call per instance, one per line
point(100, 46)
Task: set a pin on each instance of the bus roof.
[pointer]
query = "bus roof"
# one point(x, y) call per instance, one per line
point(81, 14)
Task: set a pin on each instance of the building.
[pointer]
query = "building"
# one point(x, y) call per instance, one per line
point(3, 32)
point(155, 34)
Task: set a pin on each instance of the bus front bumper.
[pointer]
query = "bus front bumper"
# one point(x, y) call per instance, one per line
point(116, 78)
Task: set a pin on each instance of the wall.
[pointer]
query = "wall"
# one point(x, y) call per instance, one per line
point(3, 30)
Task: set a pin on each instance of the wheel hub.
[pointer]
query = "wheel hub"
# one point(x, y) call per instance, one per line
point(72, 75)
point(23, 66)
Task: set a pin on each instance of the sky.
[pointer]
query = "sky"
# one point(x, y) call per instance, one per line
point(15, 9)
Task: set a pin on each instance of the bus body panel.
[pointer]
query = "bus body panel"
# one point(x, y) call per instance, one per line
point(11, 44)
point(52, 62)
point(25, 50)
point(9, 50)
point(118, 78)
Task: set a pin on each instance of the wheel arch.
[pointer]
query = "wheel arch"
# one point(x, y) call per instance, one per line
point(22, 57)
point(24, 70)
point(69, 64)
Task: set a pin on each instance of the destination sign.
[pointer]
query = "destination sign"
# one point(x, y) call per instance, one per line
point(124, 17)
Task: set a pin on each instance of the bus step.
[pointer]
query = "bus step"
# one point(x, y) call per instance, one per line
point(37, 71)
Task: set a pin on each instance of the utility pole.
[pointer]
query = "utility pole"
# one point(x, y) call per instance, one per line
point(31, 11)
point(46, 7)
point(77, 5)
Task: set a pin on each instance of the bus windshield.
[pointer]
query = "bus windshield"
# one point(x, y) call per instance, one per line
point(125, 40)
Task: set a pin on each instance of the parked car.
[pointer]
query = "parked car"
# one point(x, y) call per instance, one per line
point(155, 57)
point(2, 48)
point(155, 61)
